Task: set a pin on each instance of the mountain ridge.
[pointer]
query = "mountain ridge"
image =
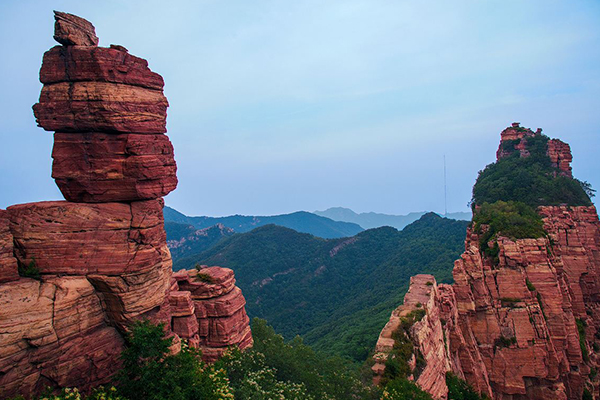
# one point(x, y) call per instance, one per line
point(301, 221)
point(369, 220)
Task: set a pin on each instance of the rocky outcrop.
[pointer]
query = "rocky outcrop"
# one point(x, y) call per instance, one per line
point(524, 324)
point(98, 261)
point(426, 334)
point(109, 113)
point(217, 318)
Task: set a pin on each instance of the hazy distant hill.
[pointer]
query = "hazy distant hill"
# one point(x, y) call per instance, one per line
point(300, 221)
point(375, 220)
point(185, 239)
point(336, 293)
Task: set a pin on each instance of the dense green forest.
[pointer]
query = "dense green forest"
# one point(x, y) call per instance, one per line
point(531, 180)
point(336, 293)
point(300, 221)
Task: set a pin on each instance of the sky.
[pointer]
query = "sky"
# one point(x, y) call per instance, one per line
point(280, 106)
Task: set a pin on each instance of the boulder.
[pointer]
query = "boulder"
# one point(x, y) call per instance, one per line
point(98, 167)
point(71, 30)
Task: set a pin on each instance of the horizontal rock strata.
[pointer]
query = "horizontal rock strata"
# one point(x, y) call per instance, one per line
point(95, 263)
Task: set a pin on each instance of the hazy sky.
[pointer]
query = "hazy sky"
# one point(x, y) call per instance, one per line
point(278, 106)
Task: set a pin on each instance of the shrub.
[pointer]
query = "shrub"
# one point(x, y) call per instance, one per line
point(403, 389)
point(151, 373)
point(511, 219)
point(205, 277)
point(458, 389)
point(530, 286)
point(30, 270)
point(581, 330)
point(503, 341)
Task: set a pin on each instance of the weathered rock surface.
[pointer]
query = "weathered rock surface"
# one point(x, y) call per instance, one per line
point(101, 107)
point(427, 335)
point(511, 324)
point(54, 333)
point(97, 64)
point(8, 262)
point(102, 256)
point(560, 155)
point(109, 112)
point(98, 167)
point(72, 30)
point(218, 309)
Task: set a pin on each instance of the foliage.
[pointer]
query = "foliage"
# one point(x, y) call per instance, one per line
point(296, 366)
point(531, 180)
point(30, 270)
point(458, 389)
point(396, 365)
point(587, 395)
point(530, 285)
point(403, 389)
point(151, 373)
point(512, 219)
point(338, 293)
point(99, 393)
point(251, 378)
point(581, 330)
point(504, 341)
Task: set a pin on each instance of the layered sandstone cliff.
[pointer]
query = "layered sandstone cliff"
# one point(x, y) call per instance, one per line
point(94, 263)
point(523, 324)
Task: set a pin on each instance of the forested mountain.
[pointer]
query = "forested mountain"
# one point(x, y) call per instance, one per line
point(375, 220)
point(300, 221)
point(336, 293)
point(185, 239)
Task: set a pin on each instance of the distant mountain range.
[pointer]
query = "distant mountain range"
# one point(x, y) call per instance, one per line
point(374, 220)
point(336, 293)
point(300, 221)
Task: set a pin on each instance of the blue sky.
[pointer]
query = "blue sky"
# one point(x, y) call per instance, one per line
point(301, 105)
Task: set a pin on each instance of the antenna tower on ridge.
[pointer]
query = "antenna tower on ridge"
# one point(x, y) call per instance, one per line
point(445, 191)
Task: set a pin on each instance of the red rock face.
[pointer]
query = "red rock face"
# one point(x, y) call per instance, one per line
point(560, 155)
point(102, 255)
point(109, 112)
point(101, 107)
point(72, 30)
point(97, 64)
point(511, 324)
point(8, 262)
point(99, 167)
point(218, 309)
point(54, 332)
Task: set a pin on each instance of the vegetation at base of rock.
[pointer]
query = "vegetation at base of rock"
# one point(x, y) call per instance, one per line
point(581, 330)
point(458, 389)
point(99, 393)
point(531, 180)
point(587, 395)
point(512, 219)
point(274, 367)
point(30, 270)
point(530, 285)
point(396, 365)
point(339, 293)
point(150, 372)
point(403, 389)
point(504, 341)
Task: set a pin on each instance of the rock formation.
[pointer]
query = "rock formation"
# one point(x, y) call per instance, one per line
point(94, 263)
point(525, 325)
